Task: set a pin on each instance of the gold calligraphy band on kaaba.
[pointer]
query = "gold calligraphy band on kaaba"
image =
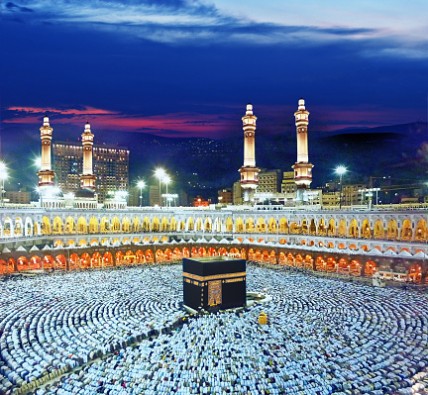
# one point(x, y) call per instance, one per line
point(214, 277)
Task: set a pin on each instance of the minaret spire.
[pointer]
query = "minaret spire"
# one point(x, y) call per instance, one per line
point(302, 167)
point(46, 175)
point(249, 171)
point(87, 178)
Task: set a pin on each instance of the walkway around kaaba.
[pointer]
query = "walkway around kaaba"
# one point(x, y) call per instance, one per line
point(357, 243)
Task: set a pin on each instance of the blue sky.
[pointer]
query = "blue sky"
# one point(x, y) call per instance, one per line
point(188, 68)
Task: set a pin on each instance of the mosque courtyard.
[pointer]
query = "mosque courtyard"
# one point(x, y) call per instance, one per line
point(124, 331)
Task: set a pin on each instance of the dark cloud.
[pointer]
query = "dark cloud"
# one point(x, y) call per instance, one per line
point(15, 7)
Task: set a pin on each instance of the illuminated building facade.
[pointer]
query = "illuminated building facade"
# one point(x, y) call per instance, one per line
point(110, 165)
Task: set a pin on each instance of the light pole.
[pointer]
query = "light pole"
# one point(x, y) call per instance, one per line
point(160, 175)
point(3, 177)
point(340, 171)
point(141, 185)
point(166, 180)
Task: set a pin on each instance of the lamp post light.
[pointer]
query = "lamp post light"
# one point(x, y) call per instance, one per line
point(160, 175)
point(3, 177)
point(340, 171)
point(141, 185)
point(167, 180)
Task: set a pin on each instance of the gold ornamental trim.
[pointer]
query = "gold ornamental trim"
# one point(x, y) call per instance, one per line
point(235, 280)
point(214, 277)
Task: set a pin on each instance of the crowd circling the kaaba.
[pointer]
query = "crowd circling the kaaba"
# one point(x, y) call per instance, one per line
point(123, 331)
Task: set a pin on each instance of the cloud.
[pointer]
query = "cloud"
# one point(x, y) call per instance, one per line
point(170, 124)
point(14, 7)
point(200, 23)
point(66, 111)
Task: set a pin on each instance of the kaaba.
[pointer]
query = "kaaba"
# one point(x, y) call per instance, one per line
point(216, 283)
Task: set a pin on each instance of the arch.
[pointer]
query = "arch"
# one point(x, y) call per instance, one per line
point(249, 225)
point(22, 263)
point(146, 225)
point(126, 225)
point(104, 225)
point(115, 225)
point(366, 232)
point(135, 224)
point(392, 230)
point(207, 224)
point(353, 230)
point(173, 224)
point(283, 226)
point(46, 225)
point(82, 226)
point(355, 268)
point(331, 230)
point(48, 262)
point(378, 230)
point(36, 262)
point(272, 225)
point(321, 230)
point(239, 225)
point(164, 226)
point(229, 225)
point(414, 274)
point(18, 229)
point(93, 225)
point(6, 267)
point(421, 230)
point(261, 225)
point(60, 262)
point(406, 230)
point(341, 231)
point(69, 225)
point(370, 268)
point(304, 227)
point(58, 226)
point(198, 224)
point(312, 227)
point(190, 225)
point(74, 261)
point(108, 259)
point(85, 261)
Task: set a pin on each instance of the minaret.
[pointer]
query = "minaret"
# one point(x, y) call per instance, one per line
point(87, 178)
point(46, 175)
point(249, 171)
point(302, 168)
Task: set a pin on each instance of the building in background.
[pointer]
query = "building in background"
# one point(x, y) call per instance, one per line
point(270, 181)
point(17, 197)
point(110, 167)
point(288, 185)
point(237, 193)
point(225, 196)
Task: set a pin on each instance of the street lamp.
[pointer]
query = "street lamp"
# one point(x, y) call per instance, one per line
point(3, 177)
point(160, 175)
point(141, 185)
point(166, 180)
point(340, 171)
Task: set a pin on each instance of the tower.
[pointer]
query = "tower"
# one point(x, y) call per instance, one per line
point(302, 167)
point(249, 171)
point(46, 175)
point(87, 178)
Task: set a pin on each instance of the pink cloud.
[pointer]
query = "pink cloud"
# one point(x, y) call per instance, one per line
point(172, 124)
point(87, 110)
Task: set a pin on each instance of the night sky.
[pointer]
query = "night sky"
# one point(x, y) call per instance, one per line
point(177, 68)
